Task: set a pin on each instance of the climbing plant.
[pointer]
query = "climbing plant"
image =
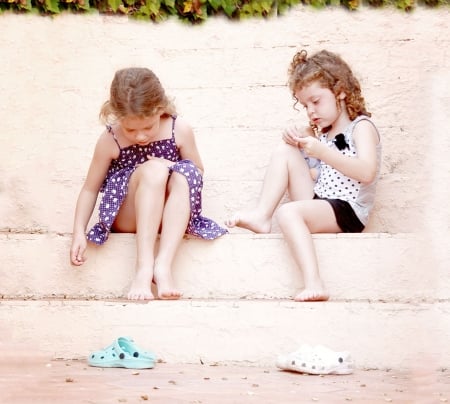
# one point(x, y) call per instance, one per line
point(196, 11)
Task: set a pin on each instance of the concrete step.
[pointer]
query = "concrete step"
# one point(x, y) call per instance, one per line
point(368, 266)
point(387, 307)
point(378, 335)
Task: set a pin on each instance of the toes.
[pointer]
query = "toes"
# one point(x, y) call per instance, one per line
point(311, 296)
point(232, 221)
point(140, 296)
point(171, 295)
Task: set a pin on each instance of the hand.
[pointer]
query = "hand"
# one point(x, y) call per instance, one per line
point(166, 162)
point(311, 146)
point(77, 250)
point(291, 134)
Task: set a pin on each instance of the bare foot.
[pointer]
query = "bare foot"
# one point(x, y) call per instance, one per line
point(250, 221)
point(164, 282)
point(312, 295)
point(141, 287)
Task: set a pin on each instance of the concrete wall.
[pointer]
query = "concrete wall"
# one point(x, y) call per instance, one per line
point(228, 80)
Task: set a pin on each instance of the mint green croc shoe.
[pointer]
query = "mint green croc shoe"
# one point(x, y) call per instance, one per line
point(122, 353)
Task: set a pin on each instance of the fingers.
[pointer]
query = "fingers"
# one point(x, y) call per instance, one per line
point(164, 161)
point(289, 136)
point(292, 134)
point(77, 261)
point(311, 146)
point(77, 258)
point(304, 143)
point(292, 131)
point(287, 139)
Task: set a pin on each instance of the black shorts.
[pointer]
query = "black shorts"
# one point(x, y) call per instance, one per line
point(345, 215)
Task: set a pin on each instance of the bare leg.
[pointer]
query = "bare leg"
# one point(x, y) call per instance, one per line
point(287, 171)
point(297, 221)
point(174, 222)
point(141, 212)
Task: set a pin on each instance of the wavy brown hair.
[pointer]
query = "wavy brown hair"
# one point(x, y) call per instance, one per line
point(135, 91)
point(331, 72)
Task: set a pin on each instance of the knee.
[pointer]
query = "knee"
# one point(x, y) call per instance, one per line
point(283, 149)
point(287, 213)
point(177, 181)
point(282, 213)
point(285, 152)
point(153, 173)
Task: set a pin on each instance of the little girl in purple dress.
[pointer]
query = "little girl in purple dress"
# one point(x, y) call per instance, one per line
point(147, 165)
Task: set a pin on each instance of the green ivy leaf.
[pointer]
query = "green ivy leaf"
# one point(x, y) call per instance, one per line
point(153, 7)
point(83, 5)
point(52, 6)
point(114, 4)
point(405, 5)
point(198, 11)
point(215, 4)
point(229, 7)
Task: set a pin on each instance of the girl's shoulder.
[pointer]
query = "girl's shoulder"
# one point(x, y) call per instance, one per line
point(107, 144)
point(106, 136)
point(180, 122)
point(363, 118)
point(182, 128)
point(364, 125)
point(362, 121)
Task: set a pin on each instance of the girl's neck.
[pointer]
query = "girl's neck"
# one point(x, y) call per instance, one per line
point(339, 125)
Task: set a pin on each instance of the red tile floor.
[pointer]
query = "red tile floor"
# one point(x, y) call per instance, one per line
point(37, 380)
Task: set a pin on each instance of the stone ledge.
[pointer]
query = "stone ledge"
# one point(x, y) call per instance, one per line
point(367, 266)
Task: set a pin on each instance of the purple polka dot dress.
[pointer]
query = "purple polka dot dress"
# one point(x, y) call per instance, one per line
point(115, 187)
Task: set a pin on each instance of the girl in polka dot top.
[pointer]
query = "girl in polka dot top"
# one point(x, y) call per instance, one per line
point(147, 166)
point(338, 194)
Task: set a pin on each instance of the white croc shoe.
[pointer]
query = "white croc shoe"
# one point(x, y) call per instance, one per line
point(317, 360)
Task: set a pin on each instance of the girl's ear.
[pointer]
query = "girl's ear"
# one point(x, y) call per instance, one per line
point(342, 96)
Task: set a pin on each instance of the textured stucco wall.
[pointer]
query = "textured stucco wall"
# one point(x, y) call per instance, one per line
point(228, 80)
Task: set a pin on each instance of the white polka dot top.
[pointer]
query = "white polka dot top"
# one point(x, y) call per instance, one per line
point(333, 184)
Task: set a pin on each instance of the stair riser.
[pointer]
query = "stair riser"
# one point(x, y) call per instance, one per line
point(354, 267)
point(377, 335)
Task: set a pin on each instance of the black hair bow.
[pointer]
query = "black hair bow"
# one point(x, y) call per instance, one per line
point(339, 141)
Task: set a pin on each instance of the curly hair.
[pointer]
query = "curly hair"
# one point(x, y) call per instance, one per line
point(135, 91)
point(331, 72)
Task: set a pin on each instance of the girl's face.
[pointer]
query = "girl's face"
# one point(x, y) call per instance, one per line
point(320, 104)
point(139, 130)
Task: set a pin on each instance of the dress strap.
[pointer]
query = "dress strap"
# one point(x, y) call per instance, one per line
point(110, 130)
point(174, 118)
point(359, 119)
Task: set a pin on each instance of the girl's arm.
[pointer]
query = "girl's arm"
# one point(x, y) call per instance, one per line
point(363, 167)
point(103, 154)
point(187, 144)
